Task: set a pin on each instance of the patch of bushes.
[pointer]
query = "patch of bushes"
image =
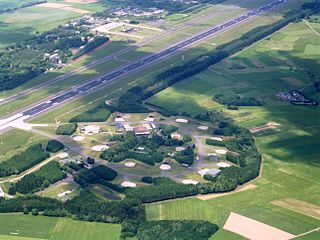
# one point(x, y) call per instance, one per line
point(161, 189)
point(54, 146)
point(23, 161)
point(66, 129)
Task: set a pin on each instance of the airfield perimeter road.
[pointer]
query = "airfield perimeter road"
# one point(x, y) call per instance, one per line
point(95, 63)
point(93, 84)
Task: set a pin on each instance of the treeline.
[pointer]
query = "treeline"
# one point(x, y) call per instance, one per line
point(236, 100)
point(169, 229)
point(86, 207)
point(42, 178)
point(97, 41)
point(161, 189)
point(23, 5)
point(23, 161)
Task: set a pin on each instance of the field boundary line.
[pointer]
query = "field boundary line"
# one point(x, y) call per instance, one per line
point(315, 31)
point(306, 233)
point(295, 210)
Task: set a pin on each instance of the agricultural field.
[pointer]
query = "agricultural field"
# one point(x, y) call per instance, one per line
point(27, 22)
point(25, 227)
point(281, 62)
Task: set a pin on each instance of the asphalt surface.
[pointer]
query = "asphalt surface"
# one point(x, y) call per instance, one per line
point(117, 54)
point(94, 84)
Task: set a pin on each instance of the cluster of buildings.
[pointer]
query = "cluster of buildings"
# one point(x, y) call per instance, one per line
point(135, 12)
point(296, 97)
point(53, 57)
point(139, 130)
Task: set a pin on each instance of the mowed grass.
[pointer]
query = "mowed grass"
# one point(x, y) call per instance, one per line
point(25, 227)
point(290, 153)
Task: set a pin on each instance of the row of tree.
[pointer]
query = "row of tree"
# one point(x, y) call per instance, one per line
point(168, 229)
point(23, 161)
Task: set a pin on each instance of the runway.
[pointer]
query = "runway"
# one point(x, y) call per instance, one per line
point(95, 83)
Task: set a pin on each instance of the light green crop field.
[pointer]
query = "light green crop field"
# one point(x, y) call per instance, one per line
point(290, 152)
point(26, 227)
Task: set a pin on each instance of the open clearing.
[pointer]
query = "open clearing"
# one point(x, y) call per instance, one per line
point(63, 7)
point(252, 229)
point(308, 209)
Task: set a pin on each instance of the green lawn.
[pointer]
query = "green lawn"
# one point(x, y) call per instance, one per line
point(27, 227)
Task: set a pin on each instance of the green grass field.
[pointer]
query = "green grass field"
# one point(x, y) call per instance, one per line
point(290, 153)
point(26, 227)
